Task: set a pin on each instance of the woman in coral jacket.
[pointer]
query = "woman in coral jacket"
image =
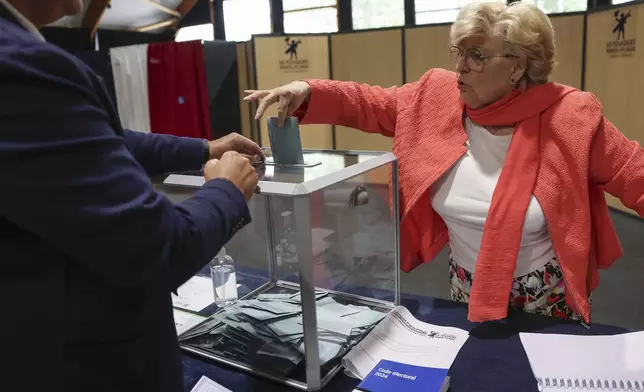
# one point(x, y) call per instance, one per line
point(503, 166)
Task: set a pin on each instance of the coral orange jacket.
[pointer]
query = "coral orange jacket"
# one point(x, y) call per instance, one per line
point(579, 156)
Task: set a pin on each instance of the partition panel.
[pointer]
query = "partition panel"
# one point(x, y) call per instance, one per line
point(372, 57)
point(613, 70)
point(244, 84)
point(252, 83)
point(282, 59)
point(569, 36)
point(425, 48)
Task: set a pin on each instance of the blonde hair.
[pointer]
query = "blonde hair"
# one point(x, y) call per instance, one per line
point(523, 26)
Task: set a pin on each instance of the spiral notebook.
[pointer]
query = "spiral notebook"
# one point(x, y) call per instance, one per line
point(586, 363)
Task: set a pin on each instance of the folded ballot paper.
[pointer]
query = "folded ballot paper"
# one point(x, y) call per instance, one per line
point(286, 142)
point(416, 355)
point(268, 331)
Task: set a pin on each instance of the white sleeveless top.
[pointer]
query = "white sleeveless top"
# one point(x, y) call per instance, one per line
point(462, 197)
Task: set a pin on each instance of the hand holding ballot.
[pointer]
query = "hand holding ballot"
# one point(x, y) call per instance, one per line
point(288, 97)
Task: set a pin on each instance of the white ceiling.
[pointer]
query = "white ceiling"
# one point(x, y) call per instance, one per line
point(125, 14)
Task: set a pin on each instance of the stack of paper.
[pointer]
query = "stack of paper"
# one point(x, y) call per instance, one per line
point(183, 321)
point(403, 339)
point(194, 295)
point(269, 330)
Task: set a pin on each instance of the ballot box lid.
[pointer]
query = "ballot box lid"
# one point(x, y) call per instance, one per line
point(321, 169)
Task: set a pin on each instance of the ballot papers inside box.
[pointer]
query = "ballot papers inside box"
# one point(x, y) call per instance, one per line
point(323, 250)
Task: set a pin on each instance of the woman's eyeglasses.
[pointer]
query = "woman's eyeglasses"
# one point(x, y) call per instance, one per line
point(474, 59)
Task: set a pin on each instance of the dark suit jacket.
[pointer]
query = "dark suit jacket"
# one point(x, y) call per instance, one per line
point(89, 251)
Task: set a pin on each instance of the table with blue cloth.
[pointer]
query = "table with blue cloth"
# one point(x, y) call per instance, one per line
point(492, 359)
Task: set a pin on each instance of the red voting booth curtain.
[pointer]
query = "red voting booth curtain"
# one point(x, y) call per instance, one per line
point(177, 89)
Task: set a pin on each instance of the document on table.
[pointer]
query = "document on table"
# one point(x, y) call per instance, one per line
point(183, 321)
point(400, 337)
point(582, 360)
point(207, 385)
point(195, 295)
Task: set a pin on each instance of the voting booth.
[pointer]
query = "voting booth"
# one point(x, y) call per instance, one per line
point(317, 268)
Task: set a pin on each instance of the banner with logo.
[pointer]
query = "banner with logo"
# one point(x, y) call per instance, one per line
point(620, 45)
point(614, 69)
point(282, 59)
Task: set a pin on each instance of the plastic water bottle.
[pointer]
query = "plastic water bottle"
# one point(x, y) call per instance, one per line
point(287, 240)
point(224, 280)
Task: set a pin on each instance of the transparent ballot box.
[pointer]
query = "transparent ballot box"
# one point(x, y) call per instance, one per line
point(317, 268)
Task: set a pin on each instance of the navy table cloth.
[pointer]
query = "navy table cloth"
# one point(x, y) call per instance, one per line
point(492, 360)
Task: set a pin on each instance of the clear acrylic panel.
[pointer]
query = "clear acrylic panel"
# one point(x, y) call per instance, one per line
point(339, 240)
point(249, 248)
point(352, 235)
point(318, 268)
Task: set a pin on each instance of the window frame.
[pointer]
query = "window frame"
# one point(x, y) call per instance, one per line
point(182, 31)
point(321, 7)
point(398, 26)
point(225, 24)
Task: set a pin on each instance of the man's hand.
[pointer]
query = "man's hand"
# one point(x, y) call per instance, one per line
point(235, 168)
point(238, 143)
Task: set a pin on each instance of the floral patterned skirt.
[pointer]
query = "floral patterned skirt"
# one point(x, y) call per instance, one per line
point(541, 291)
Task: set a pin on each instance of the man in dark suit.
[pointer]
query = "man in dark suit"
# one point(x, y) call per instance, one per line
point(89, 251)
